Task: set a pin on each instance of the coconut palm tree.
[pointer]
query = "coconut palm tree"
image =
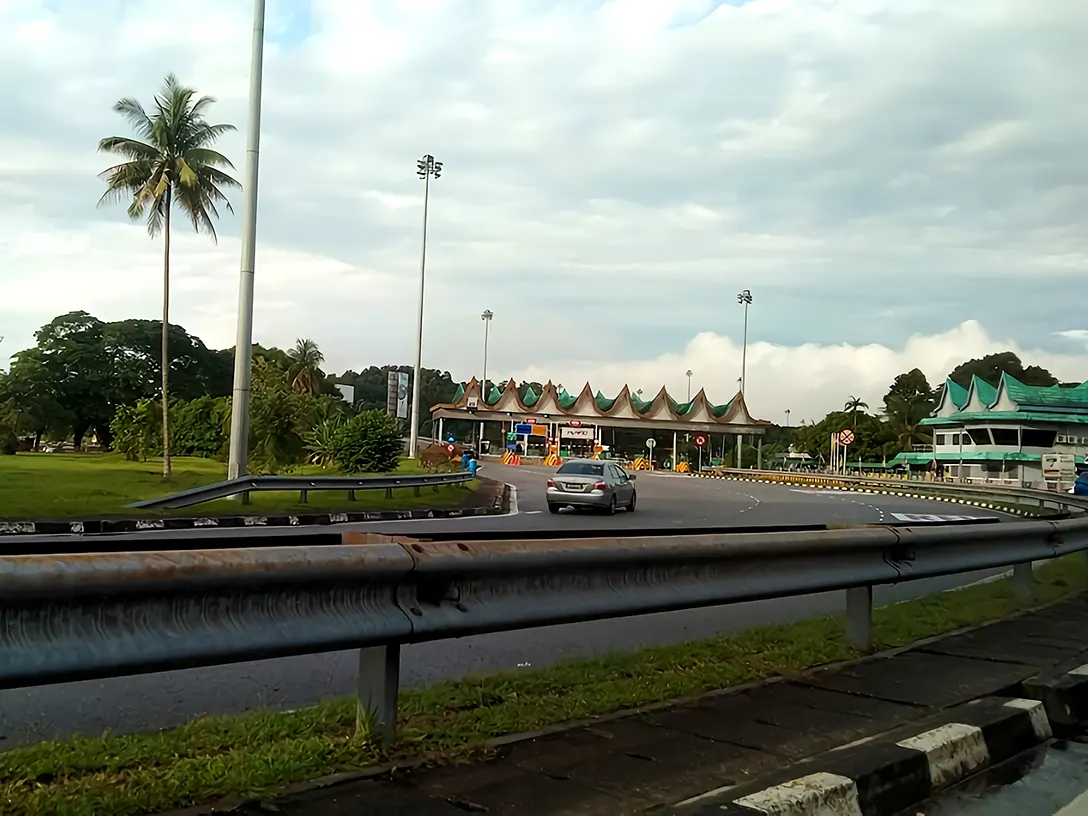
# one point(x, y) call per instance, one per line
point(173, 166)
point(852, 406)
point(305, 370)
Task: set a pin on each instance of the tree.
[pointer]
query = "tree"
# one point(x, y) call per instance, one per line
point(853, 405)
point(911, 390)
point(175, 165)
point(305, 369)
point(990, 368)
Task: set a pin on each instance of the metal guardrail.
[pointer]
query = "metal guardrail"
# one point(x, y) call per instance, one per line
point(303, 484)
point(79, 617)
point(1060, 502)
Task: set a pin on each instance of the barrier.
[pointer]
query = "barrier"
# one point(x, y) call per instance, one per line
point(641, 463)
point(85, 616)
point(552, 460)
point(683, 467)
point(511, 458)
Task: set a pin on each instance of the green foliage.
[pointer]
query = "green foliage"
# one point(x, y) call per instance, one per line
point(305, 370)
point(438, 459)
point(990, 368)
point(201, 426)
point(137, 430)
point(9, 442)
point(321, 443)
point(369, 442)
point(279, 418)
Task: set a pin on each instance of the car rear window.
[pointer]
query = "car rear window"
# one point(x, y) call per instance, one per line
point(582, 469)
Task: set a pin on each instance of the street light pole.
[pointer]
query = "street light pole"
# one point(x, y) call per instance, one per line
point(745, 299)
point(425, 168)
point(486, 318)
point(688, 373)
point(787, 417)
point(243, 344)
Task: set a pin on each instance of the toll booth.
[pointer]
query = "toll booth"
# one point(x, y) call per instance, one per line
point(528, 439)
point(577, 441)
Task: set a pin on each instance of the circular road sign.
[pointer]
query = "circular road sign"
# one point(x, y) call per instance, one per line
point(846, 437)
point(699, 440)
point(451, 448)
point(651, 442)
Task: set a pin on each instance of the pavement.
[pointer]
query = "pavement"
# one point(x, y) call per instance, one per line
point(910, 715)
point(149, 702)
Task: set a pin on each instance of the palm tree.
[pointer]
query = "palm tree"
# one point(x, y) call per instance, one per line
point(305, 370)
point(174, 165)
point(853, 405)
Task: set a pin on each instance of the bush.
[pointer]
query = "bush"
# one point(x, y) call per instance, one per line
point(9, 442)
point(369, 442)
point(438, 458)
point(321, 442)
point(200, 426)
point(137, 430)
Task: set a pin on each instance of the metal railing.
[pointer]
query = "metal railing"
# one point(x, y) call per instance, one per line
point(1064, 503)
point(86, 616)
point(304, 485)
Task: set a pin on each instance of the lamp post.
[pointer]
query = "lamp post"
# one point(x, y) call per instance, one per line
point(688, 373)
point(243, 344)
point(787, 417)
point(745, 299)
point(426, 167)
point(486, 318)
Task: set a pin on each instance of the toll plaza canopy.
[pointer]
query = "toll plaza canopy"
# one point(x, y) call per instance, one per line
point(625, 410)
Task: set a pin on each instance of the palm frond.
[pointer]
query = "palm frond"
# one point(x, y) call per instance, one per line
point(129, 148)
point(134, 112)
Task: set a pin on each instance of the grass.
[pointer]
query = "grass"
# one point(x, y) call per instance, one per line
point(40, 486)
point(263, 751)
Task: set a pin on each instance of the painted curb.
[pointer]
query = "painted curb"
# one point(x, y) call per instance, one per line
point(895, 771)
point(500, 505)
point(1064, 696)
point(831, 484)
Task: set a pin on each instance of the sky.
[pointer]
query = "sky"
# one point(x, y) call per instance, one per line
point(899, 183)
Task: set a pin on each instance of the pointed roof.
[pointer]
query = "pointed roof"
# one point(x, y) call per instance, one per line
point(588, 404)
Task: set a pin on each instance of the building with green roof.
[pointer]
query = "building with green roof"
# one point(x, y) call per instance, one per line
point(1002, 434)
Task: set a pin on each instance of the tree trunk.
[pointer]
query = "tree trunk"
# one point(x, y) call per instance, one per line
point(166, 341)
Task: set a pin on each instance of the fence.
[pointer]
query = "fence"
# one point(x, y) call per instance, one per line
point(86, 616)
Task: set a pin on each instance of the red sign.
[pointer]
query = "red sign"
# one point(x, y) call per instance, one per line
point(575, 423)
point(530, 420)
point(450, 448)
point(699, 440)
point(846, 437)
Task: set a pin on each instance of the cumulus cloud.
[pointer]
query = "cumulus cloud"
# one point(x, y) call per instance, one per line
point(875, 171)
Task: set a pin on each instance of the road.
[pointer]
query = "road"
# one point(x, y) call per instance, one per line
point(125, 705)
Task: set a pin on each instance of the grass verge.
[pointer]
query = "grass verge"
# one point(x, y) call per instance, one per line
point(39, 486)
point(262, 751)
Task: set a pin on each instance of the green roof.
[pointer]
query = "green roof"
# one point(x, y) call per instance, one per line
point(1053, 396)
point(922, 457)
point(603, 402)
point(531, 397)
point(566, 400)
point(1006, 416)
point(493, 396)
point(458, 394)
point(956, 392)
point(987, 394)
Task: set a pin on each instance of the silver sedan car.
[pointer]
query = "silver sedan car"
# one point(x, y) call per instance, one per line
point(591, 484)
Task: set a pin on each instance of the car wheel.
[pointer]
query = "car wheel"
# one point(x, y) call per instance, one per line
point(634, 498)
point(612, 506)
point(553, 508)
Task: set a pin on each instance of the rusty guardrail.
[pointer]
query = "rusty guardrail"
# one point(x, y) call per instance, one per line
point(84, 616)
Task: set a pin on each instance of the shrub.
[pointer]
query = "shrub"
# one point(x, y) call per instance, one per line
point(137, 430)
point(321, 442)
point(200, 426)
point(438, 458)
point(369, 442)
point(9, 442)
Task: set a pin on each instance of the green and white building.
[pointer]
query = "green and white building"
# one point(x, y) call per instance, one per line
point(983, 433)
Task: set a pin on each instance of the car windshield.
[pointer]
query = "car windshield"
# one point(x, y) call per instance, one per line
point(581, 469)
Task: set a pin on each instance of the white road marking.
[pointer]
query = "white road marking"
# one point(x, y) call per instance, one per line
point(932, 517)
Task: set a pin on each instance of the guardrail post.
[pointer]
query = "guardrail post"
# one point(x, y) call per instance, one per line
point(303, 496)
point(859, 617)
point(415, 490)
point(379, 686)
point(1022, 579)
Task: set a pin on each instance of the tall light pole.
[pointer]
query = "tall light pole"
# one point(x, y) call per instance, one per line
point(787, 417)
point(243, 344)
point(486, 318)
point(425, 168)
point(745, 299)
point(688, 375)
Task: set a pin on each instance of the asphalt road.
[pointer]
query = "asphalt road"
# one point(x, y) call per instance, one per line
point(148, 702)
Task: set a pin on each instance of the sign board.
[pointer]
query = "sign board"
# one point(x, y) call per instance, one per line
point(699, 440)
point(576, 433)
point(396, 394)
point(347, 393)
point(540, 430)
point(846, 437)
point(524, 429)
point(530, 420)
point(651, 443)
point(1059, 467)
point(575, 423)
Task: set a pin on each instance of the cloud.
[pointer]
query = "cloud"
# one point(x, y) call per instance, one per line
point(615, 171)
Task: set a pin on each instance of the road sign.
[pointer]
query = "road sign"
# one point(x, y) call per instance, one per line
point(699, 440)
point(650, 443)
point(846, 437)
point(575, 423)
point(525, 429)
point(451, 448)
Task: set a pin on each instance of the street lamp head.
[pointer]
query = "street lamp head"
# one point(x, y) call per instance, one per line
point(745, 297)
point(427, 166)
point(487, 315)
point(688, 372)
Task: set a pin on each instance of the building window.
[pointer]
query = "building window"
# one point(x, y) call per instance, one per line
point(1036, 438)
point(942, 439)
point(1005, 436)
point(979, 436)
point(993, 469)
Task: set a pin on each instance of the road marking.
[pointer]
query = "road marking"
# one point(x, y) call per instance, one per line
point(932, 517)
point(532, 512)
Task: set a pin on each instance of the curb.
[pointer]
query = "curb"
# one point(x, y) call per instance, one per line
point(499, 505)
point(898, 770)
point(851, 488)
point(1064, 696)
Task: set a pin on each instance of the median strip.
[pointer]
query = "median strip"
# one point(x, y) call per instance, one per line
point(261, 752)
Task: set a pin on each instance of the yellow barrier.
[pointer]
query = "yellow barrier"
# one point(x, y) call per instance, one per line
point(511, 458)
point(552, 460)
point(683, 467)
point(641, 464)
